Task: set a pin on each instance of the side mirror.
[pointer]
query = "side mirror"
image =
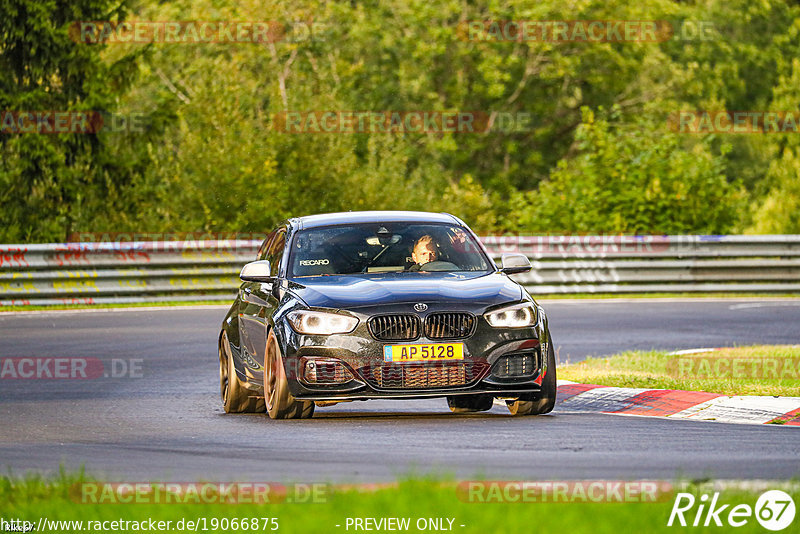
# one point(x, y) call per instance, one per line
point(256, 271)
point(515, 263)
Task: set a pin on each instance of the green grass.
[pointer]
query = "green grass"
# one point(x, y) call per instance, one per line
point(33, 498)
point(713, 372)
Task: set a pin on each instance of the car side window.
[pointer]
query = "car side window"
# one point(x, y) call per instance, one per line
point(264, 248)
point(275, 251)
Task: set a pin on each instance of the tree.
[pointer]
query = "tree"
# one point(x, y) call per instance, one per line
point(52, 183)
point(633, 178)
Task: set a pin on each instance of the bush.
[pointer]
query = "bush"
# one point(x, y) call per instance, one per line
point(633, 179)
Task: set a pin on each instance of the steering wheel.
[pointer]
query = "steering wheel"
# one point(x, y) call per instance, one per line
point(433, 266)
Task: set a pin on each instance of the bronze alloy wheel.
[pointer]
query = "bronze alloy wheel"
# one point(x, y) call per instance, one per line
point(544, 401)
point(280, 402)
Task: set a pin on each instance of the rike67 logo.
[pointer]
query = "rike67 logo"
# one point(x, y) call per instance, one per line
point(774, 510)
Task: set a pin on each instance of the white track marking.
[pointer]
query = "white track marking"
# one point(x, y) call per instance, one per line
point(748, 305)
point(738, 409)
point(602, 399)
point(692, 351)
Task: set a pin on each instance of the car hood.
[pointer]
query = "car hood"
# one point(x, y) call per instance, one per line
point(368, 290)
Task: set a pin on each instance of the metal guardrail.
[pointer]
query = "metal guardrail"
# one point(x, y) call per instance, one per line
point(125, 272)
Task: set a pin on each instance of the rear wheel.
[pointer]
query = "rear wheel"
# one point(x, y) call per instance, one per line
point(235, 397)
point(544, 401)
point(470, 403)
point(280, 402)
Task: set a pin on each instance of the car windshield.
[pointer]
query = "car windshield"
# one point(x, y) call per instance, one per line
point(384, 247)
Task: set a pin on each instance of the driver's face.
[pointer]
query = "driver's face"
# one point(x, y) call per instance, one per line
point(424, 253)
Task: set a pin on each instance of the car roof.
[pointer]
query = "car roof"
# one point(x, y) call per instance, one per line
point(355, 217)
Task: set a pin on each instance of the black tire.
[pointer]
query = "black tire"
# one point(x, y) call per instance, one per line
point(543, 402)
point(279, 401)
point(235, 397)
point(470, 403)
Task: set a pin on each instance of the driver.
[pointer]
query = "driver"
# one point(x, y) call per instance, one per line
point(424, 251)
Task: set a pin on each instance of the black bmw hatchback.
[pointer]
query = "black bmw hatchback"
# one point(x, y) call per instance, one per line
point(389, 305)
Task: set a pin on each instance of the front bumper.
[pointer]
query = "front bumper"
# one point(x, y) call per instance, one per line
point(485, 354)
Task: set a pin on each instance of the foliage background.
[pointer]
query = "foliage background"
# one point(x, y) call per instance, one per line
point(598, 159)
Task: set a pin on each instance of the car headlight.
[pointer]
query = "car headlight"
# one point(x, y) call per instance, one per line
point(321, 323)
point(516, 316)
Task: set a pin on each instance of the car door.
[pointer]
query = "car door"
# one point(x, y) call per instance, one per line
point(258, 301)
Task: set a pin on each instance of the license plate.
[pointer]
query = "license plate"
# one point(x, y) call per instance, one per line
point(423, 353)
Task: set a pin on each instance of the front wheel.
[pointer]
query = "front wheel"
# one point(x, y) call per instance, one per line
point(544, 401)
point(280, 402)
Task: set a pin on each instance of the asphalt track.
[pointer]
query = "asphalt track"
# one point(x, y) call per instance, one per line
point(166, 422)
